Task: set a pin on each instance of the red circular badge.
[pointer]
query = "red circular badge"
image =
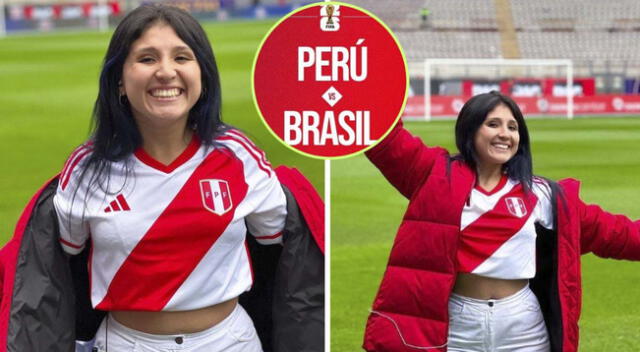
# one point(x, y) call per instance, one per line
point(330, 80)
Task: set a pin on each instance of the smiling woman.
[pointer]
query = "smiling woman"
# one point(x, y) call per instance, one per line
point(161, 201)
point(160, 98)
point(487, 257)
point(496, 140)
point(161, 80)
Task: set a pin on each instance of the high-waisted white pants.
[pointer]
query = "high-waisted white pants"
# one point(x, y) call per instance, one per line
point(513, 324)
point(235, 333)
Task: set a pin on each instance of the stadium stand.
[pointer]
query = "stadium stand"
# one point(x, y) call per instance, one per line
point(588, 32)
point(598, 37)
point(593, 33)
point(461, 15)
point(398, 15)
point(580, 46)
point(418, 45)
point(578, 15)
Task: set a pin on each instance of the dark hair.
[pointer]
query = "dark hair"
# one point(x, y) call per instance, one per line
point(115, 134)
point(470, 119)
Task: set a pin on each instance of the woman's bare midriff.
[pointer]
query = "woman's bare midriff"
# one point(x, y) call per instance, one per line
point(480, 287)
point(178, 322)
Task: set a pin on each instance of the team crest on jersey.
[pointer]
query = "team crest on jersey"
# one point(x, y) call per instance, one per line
point(216, 196)
point(516, 206)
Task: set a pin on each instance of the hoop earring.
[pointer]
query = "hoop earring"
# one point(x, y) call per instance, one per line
point(122, 99)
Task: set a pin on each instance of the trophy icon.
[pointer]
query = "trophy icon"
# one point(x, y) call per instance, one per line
point(330, 20)
point(330, 10)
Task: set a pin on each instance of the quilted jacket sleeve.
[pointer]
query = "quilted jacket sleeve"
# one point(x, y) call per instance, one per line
point(608, 235)
point(404, 159)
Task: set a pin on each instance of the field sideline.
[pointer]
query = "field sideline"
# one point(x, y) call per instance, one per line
point(48, 84)
point(604, 153)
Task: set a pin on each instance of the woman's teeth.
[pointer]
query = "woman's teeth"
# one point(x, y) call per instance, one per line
point(165, 93)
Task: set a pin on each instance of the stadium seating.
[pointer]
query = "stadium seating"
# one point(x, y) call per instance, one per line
point(580, 46)
point(399, 15)
point(419, 45)
point(593, 33)
point(461, 14)
point(580, 15)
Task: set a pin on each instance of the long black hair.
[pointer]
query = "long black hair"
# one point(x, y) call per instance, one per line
point(115, 134)
point(471, 118)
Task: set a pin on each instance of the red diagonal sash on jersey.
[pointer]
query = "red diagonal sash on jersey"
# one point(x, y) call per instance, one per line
point(177, 241)
point(492, 229)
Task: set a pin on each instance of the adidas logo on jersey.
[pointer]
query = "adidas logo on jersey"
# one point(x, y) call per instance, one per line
point(119, 204)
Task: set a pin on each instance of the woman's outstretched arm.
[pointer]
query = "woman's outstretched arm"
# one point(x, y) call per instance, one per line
point(404, 159)
point(608, 235)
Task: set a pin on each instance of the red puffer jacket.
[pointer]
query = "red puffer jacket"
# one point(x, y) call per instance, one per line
point(410, 310)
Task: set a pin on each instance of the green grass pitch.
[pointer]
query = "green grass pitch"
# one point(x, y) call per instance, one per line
point(604, 153)
point(48, 84)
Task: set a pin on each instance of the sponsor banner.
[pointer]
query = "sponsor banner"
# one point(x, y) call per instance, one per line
point(261, 11)
point(632, 86)
point(62, 11)
point(529, 87)
point(195, 7)
point(449, 106)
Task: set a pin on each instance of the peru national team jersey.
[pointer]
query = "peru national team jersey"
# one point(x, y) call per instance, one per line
point(498, 237)
point(171, 237)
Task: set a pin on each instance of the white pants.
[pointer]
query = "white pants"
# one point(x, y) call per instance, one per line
point(513, 324)
point(235, 333)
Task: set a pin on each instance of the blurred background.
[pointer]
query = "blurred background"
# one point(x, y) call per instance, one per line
point(522, 48)
point(578, 58)
point(56, 15)
point(551, 57)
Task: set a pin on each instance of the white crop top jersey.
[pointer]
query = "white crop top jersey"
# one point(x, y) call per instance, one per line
point(498, 237)
point(172, 237)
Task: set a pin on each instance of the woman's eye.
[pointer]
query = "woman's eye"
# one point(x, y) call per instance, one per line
point(145, 60)
point(182, 58)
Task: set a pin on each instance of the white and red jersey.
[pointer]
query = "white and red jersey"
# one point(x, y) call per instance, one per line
point(171, 237)
point(498, 237)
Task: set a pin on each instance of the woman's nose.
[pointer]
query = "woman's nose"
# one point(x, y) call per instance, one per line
point(503, 132)
point(165, 71)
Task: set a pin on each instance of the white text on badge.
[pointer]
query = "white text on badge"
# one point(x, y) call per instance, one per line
point(347, 63)
point(304, 128)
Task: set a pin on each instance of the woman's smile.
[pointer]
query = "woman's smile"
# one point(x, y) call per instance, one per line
point(166, 94)
point(497, 139)
point(161, 78)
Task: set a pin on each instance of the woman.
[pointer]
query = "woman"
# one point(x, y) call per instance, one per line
point(487, 256)
point(163, 191)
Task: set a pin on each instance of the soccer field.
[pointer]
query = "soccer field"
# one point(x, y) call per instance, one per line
point(604, 153)
point(48, 84)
